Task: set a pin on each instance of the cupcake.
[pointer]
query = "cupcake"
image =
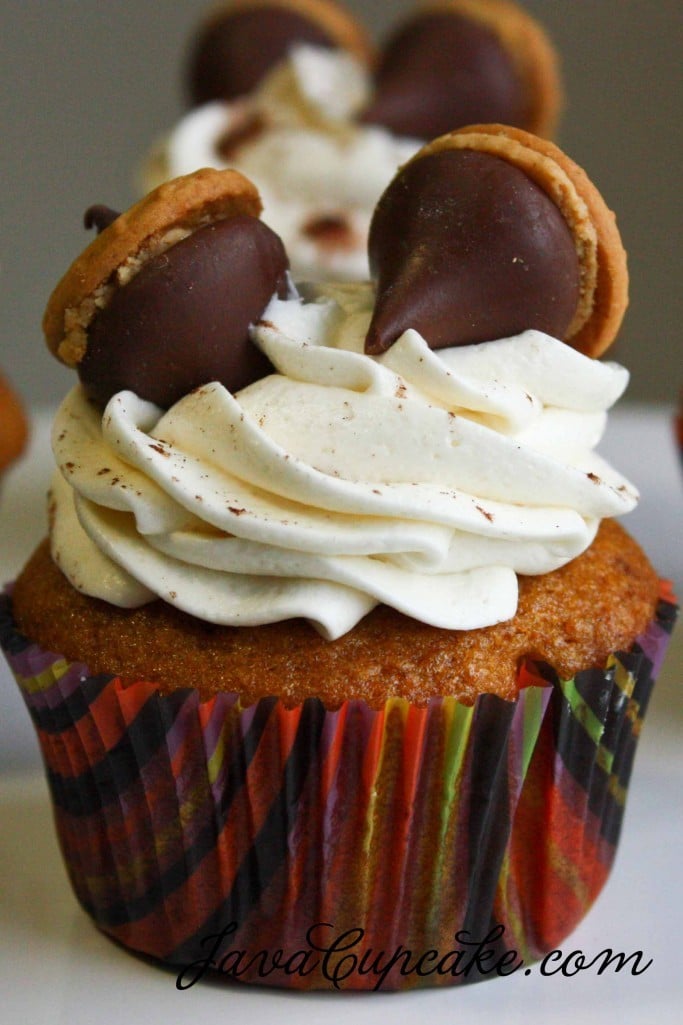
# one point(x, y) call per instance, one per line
point(336, 654)
point(13, 427)
point(286, 93)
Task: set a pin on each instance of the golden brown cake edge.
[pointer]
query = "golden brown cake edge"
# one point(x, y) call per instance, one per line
point(572, 619)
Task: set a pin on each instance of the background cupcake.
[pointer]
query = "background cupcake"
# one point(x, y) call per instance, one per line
point(293, 96)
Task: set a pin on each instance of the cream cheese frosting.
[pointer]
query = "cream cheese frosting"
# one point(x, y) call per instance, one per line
point(318, 172)
point(424, 480)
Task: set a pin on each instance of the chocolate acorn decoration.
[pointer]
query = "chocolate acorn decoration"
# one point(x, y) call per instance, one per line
point(161, 301)
point(242, 40)
point(457, 62)
point(489, 231)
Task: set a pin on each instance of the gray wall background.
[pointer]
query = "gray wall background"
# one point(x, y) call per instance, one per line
point(86, 85)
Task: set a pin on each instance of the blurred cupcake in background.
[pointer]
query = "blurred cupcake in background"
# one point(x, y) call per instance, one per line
point(13, 425)
point(291, 94)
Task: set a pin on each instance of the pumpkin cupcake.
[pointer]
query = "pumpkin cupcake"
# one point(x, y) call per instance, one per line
point(336, 655)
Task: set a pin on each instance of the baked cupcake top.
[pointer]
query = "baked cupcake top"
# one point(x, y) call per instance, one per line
point(424, 474)
point(571, 619)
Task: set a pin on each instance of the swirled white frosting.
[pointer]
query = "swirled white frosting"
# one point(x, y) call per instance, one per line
point(309, 160)
point(423, 480)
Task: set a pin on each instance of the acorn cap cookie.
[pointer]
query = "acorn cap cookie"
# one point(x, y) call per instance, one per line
point(161, 301)
point(459, 61)
point(489, 231)
point(240, 41)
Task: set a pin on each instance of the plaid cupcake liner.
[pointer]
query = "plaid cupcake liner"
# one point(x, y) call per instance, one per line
point(357, 848)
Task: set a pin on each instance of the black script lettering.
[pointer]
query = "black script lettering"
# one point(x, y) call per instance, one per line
point(431, 955)
point(262, 958)
point(231, 963)
point(623, 960)
point(400, 954)
point(444, 968)
point(296, 963)
point(481, 952)
point(194, 971)
point(554, 955)
point(336, 973)
point(461, 961)
point(571, 964)
point(508, 958)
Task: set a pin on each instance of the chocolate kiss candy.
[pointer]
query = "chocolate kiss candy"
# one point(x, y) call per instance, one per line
point(466, 248)
point(240, 43)
point(183, 320)
point(443, 70)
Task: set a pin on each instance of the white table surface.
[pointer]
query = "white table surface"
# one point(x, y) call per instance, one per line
point(57, 969)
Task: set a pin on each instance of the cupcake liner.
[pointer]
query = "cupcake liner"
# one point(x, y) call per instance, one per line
point(349, 849)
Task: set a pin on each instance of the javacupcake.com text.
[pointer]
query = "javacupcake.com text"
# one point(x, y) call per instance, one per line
point(337, 957)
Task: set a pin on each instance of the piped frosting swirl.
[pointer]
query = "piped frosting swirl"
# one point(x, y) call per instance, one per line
point(425, 480)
